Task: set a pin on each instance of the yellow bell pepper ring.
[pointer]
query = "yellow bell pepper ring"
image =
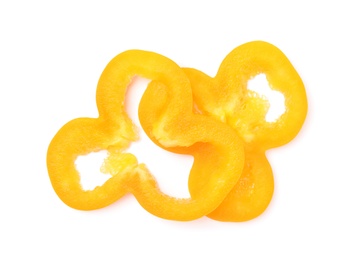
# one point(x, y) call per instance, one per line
point(226, 98)
point(168, 117)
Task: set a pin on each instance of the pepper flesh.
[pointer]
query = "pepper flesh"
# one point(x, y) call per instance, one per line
point(226, 98)
point(171, 123)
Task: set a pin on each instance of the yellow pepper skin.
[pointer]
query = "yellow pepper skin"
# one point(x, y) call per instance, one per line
point(226, 98)
point(168, 117)
point(251, 195)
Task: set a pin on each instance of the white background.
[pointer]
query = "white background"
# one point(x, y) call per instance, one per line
point(51, 56)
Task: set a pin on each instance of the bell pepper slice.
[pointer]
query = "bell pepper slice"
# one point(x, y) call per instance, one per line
point(167, 114)
point(226, 98)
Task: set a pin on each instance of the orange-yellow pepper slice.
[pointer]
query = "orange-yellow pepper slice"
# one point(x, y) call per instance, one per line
point(226, 98)
point(169, 120)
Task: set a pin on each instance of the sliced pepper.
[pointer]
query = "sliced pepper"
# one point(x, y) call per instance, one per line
point(226, 98)
point(168, 117)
